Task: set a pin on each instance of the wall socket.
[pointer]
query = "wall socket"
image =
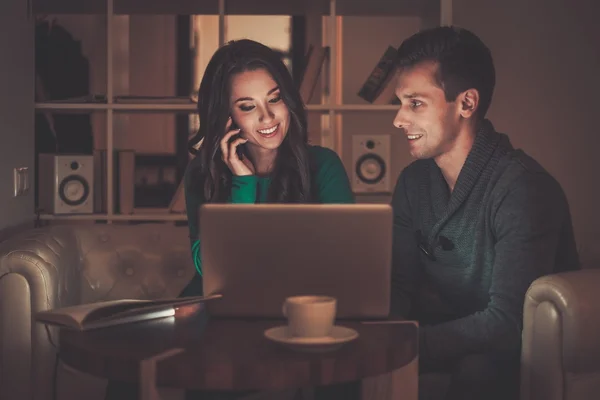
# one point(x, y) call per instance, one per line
point(21, 181)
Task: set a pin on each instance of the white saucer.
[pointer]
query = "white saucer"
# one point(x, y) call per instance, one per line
point(338, 337)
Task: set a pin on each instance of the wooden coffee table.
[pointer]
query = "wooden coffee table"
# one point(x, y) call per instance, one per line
point(233, 354)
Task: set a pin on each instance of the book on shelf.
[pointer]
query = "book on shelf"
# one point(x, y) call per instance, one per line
point(387, 94)
point(115, 312)
point(123, 178)
point(315, 57)
point(379, 76)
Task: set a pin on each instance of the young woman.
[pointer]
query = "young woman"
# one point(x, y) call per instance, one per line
point(252, 145)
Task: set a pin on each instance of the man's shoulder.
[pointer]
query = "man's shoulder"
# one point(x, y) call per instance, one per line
point(520, 176)
point(519, 168)
point(520, 159)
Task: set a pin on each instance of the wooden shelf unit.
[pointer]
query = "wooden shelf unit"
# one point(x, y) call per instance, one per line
point(433, 10)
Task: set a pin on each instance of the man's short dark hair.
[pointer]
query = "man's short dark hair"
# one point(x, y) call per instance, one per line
point(464, 61)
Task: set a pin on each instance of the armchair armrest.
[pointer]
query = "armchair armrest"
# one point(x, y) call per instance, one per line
point(39, 270)
point(560, 358)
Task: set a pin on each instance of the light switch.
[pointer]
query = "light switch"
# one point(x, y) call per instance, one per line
point(21, 181)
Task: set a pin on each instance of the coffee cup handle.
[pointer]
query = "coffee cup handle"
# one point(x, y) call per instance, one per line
point(284, 310)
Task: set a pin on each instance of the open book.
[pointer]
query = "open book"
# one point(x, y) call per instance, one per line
point(115, 312)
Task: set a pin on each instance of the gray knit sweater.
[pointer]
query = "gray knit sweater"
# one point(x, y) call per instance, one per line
point(462, 261)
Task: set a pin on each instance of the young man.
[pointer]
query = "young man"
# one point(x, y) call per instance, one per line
point(475, 221)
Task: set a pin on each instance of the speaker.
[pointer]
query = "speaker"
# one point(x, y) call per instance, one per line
point(371, 163)
point(66, 184)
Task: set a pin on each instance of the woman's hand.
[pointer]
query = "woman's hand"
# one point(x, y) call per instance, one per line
point(230, 157)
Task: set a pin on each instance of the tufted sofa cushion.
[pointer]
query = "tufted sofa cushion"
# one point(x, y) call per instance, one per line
point(64, 265)
point(144, 262)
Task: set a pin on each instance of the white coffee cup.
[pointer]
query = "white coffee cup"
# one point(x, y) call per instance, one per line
point(310, 316)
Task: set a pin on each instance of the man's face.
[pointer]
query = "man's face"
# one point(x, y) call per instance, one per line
point(430, 123)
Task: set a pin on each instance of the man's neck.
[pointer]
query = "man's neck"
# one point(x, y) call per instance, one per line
point(452, 162)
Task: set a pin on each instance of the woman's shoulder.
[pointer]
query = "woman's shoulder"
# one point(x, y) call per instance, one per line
point(323, 156)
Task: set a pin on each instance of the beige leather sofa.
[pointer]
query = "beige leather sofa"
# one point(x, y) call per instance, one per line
point(560, 358)
point(73, 264)
point(63, 265)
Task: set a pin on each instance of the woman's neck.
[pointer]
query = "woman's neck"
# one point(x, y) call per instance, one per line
point(262, 159)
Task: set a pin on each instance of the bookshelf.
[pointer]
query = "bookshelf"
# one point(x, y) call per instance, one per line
point(192, 107)
point(431, 12)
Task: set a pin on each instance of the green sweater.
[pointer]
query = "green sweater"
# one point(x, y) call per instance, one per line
point(506, 223)
point(331, 182)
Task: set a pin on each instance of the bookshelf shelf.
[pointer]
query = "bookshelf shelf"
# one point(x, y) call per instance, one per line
point(115, 217)
point(116, 107)
point(329, 13)
point(236, 7)
point(192, 107)
point(70, 106)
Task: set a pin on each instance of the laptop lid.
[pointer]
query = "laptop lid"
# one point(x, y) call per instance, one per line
point(256, 255)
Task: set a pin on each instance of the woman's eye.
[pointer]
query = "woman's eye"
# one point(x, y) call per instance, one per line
point(275, 99)
point(246, 108)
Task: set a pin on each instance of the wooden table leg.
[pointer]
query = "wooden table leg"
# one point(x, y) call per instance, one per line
point(148, 390)
point(401, 384)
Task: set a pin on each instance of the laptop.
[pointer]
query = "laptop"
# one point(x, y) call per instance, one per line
point(256, 255)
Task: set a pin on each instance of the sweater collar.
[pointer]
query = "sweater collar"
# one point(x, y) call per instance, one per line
point(487, 142)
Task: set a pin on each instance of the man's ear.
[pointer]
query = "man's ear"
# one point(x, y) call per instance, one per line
point(469, 102)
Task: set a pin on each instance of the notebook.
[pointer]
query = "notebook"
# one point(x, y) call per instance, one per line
point(115, 312)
